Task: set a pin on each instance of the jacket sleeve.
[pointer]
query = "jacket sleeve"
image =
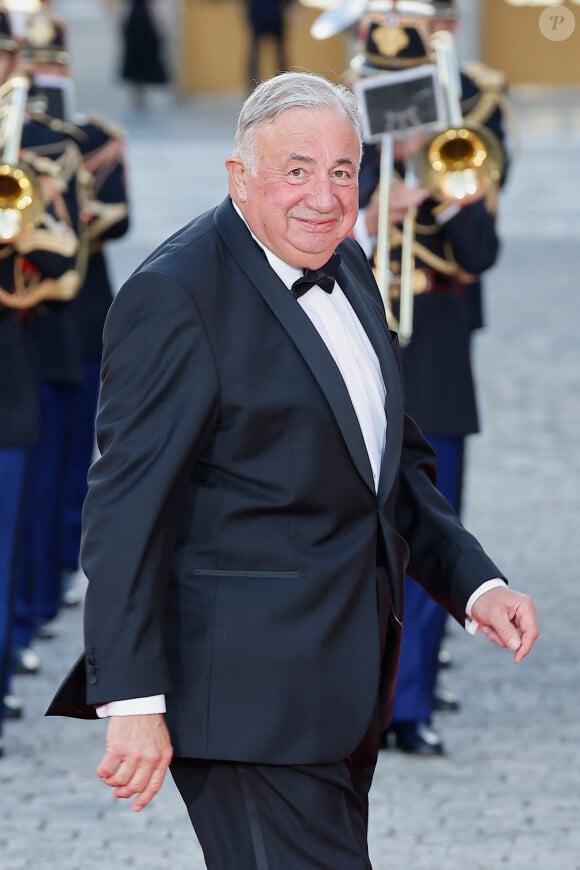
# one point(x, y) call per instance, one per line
point(472, 235)
point(444, 557)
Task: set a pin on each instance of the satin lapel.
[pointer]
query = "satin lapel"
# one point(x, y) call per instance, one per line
point(253, 263)
point(375, 325)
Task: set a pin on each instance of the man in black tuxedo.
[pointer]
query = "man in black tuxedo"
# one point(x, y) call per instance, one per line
point(258, 497)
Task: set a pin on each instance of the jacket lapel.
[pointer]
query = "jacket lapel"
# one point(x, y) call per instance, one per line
point(373, 320)
point(253, 263)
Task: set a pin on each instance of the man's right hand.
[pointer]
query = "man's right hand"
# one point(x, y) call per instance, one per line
point(138, 753)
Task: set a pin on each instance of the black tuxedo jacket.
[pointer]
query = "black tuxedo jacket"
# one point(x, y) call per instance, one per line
point(231, 525)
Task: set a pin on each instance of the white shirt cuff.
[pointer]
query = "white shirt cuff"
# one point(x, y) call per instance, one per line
point(472, 625)
point(132, 707)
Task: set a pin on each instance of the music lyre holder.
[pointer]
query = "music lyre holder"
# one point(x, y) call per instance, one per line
point(394, 106)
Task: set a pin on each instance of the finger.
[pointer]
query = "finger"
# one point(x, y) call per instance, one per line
point(529, 637)
point(502, 630)
point(151, 769)
point(521, 643)
point(491, 634)
point(525, 620)
point(146, 783)
point(123, 775)
point(109, 764)
point(147, 795)
point(136, 783)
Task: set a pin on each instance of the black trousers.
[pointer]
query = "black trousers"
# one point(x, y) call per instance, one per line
point(284, 817)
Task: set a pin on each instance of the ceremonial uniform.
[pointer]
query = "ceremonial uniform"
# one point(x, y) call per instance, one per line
point(39, 348)
point(453, 245)
point(54, 250)
point(103, 152)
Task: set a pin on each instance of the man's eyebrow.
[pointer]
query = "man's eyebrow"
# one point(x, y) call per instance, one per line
point(301, 158)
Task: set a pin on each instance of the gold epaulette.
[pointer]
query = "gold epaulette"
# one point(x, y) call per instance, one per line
point(485, 77)
point(104, 216)
point(492, 93)
point(58, 160)
point(111, 128)
point(66, 127)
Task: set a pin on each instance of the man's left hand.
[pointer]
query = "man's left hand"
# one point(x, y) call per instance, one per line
point(508, 618)
point(138, 753)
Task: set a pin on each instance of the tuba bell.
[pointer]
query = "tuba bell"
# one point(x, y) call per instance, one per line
point(21, 205)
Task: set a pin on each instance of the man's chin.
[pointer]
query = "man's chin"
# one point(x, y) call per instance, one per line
point(318, 245)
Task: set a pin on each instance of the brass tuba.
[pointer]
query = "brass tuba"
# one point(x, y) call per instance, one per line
point(21, 205)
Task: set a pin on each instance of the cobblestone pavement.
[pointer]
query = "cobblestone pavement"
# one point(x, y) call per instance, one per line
point(507, 795)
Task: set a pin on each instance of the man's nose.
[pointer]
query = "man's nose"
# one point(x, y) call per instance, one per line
point(321, 195)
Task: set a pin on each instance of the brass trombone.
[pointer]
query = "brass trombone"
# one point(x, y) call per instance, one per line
point(21, 205)
point(457, 165)
point(460, 163)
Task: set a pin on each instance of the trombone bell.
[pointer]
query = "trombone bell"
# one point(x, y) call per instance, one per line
point(20, 205)
point(460, 163)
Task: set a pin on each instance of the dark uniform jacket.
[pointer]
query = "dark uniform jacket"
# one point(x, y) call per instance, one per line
point(50, 251)
point(103, 152)
point(18, 400)
point(39, 342)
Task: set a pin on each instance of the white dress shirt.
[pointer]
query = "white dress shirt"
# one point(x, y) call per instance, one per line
point(340, 329)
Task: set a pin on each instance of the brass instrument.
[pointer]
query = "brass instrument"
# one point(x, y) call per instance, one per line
point(460, 163)
point(21, 205)
point(457, 165)
point(404, 324)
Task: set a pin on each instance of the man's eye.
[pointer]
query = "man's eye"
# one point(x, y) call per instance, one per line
point(297, 173)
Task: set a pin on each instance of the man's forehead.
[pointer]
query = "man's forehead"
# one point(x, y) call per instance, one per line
point(300, 130)
point(304, 118)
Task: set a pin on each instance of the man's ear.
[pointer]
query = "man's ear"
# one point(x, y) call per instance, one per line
point(237, 173)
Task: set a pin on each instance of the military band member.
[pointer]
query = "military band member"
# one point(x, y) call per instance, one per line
point(454, 245)
point(106, 215)
point(40, 265)
point(18, 431)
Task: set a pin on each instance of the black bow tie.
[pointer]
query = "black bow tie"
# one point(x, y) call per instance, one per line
point(324, 277)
